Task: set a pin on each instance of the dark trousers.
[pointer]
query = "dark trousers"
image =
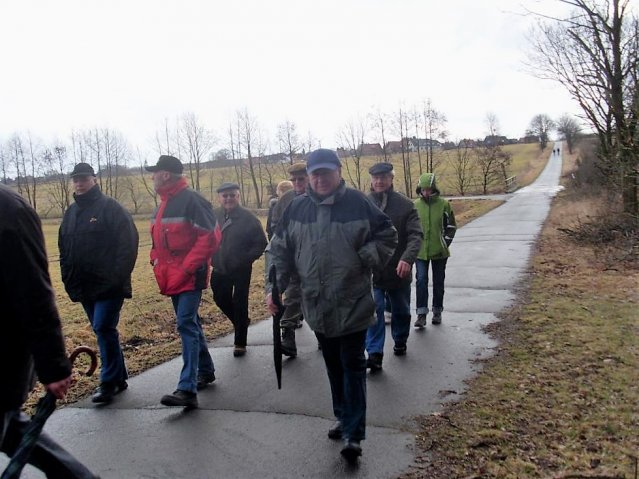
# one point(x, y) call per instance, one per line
point(231, 294)
point(421, 284)
point(346, 368)
point(47, 455)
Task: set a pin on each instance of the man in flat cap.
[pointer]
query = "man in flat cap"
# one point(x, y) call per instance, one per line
point(185, 234)
point(333, 237)
point(243, 242)
point(292, 296)
point(98, 244)
point(394, 280)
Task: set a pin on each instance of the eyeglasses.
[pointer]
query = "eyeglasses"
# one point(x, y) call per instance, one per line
point(229, 195)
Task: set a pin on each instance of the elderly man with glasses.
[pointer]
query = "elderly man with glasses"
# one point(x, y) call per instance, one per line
point(243, 242)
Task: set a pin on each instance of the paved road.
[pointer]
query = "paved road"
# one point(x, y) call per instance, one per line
point(245, 427)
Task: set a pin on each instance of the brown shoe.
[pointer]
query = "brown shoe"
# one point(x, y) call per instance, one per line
point(239, 351)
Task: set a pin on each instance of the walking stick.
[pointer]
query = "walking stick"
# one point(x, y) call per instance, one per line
point(44, 409)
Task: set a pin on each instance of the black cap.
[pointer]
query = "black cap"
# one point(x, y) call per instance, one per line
point(167, 163)
point(82, 169)
point(227, 186)
point(381, 168)
point(322, 158)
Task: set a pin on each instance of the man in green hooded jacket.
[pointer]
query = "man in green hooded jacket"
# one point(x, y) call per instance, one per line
point(439, 227)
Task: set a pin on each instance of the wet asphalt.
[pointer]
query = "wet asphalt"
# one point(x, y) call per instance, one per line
point(246, 427)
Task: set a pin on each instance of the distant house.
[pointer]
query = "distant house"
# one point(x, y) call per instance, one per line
point(371, 149)
point(423, 144)
point(529, 139)
point(495, 140)
point(396, 146)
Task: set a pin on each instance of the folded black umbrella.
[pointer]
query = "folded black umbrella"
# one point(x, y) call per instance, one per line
point(277, 338)
point(44, 409)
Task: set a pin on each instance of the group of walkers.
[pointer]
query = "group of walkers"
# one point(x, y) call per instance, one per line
point(330, 246)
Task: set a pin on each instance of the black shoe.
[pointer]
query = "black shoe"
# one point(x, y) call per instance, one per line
point(289, 348)
point(421, 321)
point(399, 349)
point(351, 450)
point(437, 316)
point(299, 323)
point(374, 361)
point(104, 394)
point(122, 385)
point(239, 351)
point(204, 379)
point(180, 398)
point(335, 431)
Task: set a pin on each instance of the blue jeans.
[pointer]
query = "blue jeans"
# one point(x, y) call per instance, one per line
point(421, 285)
point(399, 300)
point(195, 352)
point(346, 368)
point(104, 316)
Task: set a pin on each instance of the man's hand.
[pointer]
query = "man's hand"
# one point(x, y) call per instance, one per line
point(272, 307)
point(403, 269)
point(59, 388)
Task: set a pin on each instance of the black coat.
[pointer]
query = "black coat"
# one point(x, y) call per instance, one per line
point(404, 217)
point(243, 240)
point(30, 332)
point(98, 244)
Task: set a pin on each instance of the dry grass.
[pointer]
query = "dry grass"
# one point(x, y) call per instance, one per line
point(561, 397)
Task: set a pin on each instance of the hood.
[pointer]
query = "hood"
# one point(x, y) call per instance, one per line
point(427, 180)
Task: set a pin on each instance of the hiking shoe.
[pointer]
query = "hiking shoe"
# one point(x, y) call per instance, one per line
point(351, 450)
point(374, 361)
point(239, 351)
point(299, 323)
point(421, 321)
point(289, 348)
point(180, 398)
point(399, 349)
point(388, 316)
point(335, 431)
point(437, 316)
point(204, 379)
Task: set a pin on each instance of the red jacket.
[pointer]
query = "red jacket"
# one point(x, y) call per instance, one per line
point(185, 235)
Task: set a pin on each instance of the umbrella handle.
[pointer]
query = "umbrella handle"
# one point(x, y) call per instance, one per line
point(92, 355)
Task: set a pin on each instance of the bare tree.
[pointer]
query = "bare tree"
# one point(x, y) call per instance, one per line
point(288, 139)
point(351, 139)
point(594, 54)
point(540, 126)
point(461, 162)
point(434, 130)
point(4, 164)
point(379, 122)
point(57, 166)
point(198, 142)
point(24, 155)
point(402, 128)
point(569, 129)
point(248, 134)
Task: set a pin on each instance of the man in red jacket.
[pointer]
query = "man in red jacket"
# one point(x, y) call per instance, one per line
point(185, 235)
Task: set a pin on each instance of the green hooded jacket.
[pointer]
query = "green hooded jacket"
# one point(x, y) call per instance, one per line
point(437, 219)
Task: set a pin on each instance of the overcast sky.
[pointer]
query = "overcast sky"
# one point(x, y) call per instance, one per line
point(129, 64)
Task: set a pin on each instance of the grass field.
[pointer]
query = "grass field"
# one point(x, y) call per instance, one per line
point(561, 397)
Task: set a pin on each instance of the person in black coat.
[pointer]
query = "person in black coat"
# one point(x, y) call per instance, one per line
point(98, 244)
point(243, 242)
point(31, 335)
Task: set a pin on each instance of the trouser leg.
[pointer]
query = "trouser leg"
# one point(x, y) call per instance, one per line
point(242, 283)
point(421, 286)
point(376, 334)
point(400, 322)
point(186, 307)
point(104, 316)
point(439, 275)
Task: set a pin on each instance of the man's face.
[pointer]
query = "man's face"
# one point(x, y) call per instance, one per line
point(299, 181)
point(83, 183)
point(325, 181)
point(381, 183)
point(229, 199)
point(160, 178)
